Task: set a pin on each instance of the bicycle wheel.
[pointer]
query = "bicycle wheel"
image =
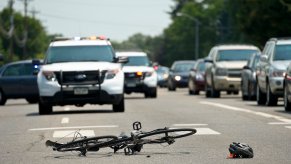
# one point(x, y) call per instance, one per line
point(156, 136)
point(88, 144)
point(165, 135)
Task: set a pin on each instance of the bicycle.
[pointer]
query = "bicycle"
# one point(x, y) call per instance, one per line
point(130, 144)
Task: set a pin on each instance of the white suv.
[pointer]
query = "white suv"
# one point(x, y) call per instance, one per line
point(79, 71)
point(140, 76)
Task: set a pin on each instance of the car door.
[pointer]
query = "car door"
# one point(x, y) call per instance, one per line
point(28, 84)
point(9, 80)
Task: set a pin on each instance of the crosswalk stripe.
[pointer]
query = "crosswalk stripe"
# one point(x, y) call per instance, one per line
point(65, 120)
point(74, 127)
point(189, 124)
point(206, 131)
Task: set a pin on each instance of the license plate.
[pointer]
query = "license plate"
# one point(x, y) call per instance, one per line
point(130, 84)
point(80, 91)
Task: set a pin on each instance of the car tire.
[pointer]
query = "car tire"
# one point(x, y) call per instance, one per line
point(119, 107)
point(271, 99)
point(214, 93)
point(251, 93)
point(261, 97)
point(207, 91)
point(287, 103)
point(2, 98)
point(190, 87)
point(32, 100)
point(228, 92)
point(151, 93)
point(44, 108)
point(171, 86)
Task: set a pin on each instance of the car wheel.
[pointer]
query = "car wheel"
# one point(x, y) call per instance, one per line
point(190, 87)
point(272, 99)
point(207, 91)
point(119, 107)
point(171, 86)
point(235, 92)
point(287, 103)
point(44, 108)
point(151, 93)
point(2, 98)
point(228, 92)
point(251, 93)
point(214, 93)
point(32, 100)
point(261, 97)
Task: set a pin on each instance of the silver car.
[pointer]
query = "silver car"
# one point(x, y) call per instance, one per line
point(271, 69)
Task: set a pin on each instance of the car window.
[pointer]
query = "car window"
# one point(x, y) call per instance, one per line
point(27, 69)
point(12, 70)
point(234, 55)
point(79, 54)
point(201, 66)
point(137, 61)
point(282, 52)
point(255, 61)
point(183, 67)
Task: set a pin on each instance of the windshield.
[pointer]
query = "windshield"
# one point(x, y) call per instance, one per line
point(79, 54)
point(234, 55)
point(183, 67)
point(282, 52)
point(137, 61)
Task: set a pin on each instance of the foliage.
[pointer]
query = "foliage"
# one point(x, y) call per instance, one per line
point(14, 49)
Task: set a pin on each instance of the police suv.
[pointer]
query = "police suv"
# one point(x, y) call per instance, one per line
point(139, 74)
point(79, 71)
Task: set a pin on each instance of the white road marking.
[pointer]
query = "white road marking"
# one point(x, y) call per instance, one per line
point(189, 125)
point(206, 131)
point(74, 127)
point(278, 123)
point(72, 133)
point(65, 120)
point(289, 127)
point(266, 115)
point(67, 108)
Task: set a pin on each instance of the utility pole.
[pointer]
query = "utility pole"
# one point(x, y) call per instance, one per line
point(25, 28)
point(10, 4)
point(33, 12)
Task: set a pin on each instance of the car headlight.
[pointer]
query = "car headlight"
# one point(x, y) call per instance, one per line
point(277, 73)
point(221, 72)
point(165, 76)
point(112, 73)
point(49, 75)
point(178, 78)
point(148, 74)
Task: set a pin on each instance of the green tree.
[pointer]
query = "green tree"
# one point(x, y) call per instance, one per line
point(37, 39)
point(259, 20)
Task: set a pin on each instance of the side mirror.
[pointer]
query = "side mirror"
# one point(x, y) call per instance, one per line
point(193, 69)
point(246, 67)
point(208, 60)
point(264, 58)
point(122, 59)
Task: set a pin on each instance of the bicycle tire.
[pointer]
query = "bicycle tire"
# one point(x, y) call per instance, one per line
point(142, 138)
point(91, 143)
point(171, 134)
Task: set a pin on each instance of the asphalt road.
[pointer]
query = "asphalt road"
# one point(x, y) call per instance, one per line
point(219, 122)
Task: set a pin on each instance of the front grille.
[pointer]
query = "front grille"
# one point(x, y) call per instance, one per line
point(80, 77)
point(234, 72)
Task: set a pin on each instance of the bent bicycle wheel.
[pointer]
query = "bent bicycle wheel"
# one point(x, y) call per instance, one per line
point(91, 143)
point(165, 135)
